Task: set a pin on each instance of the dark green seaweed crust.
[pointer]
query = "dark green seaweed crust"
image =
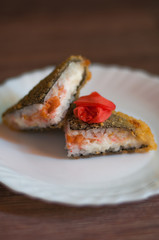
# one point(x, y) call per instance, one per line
point(110, 152)
point(114, 121)
point(38, 93)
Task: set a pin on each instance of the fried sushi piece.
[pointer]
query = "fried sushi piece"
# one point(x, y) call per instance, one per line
point(46, 105)
point(120, 133)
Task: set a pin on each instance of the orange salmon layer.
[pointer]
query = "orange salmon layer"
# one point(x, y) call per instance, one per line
point(49, 107)
point(80, 139)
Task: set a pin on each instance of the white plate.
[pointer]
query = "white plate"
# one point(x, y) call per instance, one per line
point(36, 163)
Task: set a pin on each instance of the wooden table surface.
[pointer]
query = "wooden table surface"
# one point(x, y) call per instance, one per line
point(35, 34)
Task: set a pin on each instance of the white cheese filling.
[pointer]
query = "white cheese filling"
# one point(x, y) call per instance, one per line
point(68, 81)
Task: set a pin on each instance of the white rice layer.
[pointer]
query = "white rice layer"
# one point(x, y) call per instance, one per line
point(69, 80)
point(99, 141)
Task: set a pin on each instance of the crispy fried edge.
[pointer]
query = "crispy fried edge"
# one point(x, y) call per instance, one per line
point(142, 132)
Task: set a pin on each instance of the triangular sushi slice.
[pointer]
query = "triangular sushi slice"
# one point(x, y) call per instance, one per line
point(120, 133)
point(46, 105)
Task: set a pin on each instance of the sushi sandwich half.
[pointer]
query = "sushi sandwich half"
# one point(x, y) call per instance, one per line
point(46, 105)
point(87, 133)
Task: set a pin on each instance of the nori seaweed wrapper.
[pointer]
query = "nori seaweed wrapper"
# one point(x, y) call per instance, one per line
point(114, 121)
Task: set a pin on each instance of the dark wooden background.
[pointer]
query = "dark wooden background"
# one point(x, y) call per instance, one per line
point(35, 34)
